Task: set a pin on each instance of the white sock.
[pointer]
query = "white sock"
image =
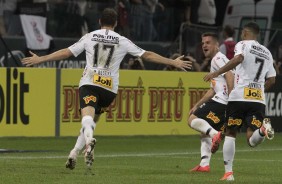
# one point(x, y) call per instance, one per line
point(256, 138)
point(203, 127)
point(88, 126)
point(228, 153)
point(80, 142)
point(206, 143)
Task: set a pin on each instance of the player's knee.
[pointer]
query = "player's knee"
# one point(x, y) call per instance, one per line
point(190, 119)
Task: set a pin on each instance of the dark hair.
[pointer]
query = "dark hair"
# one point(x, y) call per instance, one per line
point(109, 17)
point(213, 35)
point(229, 30)
point(253, 27)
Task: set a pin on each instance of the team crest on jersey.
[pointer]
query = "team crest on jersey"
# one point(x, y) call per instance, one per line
point(88, 98)
point(103, 81)
point(253, 94)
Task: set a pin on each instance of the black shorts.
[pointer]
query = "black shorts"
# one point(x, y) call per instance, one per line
point(249, 113)
point(95, 96)
point(214, 113)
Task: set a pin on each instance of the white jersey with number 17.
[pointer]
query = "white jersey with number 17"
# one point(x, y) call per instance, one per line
point(250, 75)
point(104, 49)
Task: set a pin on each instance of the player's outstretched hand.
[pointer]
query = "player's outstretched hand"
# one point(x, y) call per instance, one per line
point(181, 64)
point(210, 76)
point(29, 61)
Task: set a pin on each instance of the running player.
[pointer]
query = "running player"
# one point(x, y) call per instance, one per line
point(208, 114)
point(246, 104)
point(98, 86)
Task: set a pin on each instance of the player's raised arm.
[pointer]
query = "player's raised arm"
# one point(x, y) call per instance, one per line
point(35, 59)
point(178, 62)
point(229, 66)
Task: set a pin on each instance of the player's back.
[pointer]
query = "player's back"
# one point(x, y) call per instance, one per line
point(250, 74)
point(256, 63)
point(105, 50)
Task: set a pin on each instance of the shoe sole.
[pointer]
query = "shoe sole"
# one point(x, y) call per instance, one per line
point(89, 158)
point(70, 164)
point(199, 170)
point(270, 134)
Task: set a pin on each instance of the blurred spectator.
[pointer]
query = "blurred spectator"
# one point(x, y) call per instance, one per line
point(148, 28)
point(207, 12)
point(136, 19)
point(2, 25)
point(65, 18)
point(93, 11)
point(141, 19)
point(163, 16)
point(123, 8)
point(228, 45)
point(278, 60)
point(220, 11)
point(169, 67)
point(196, 66)
point(11, 18)
point(135, 64)
point(278, 66)
point(203, 62)
point(202, 12)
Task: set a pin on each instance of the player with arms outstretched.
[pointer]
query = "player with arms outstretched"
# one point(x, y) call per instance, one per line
point(105, 49)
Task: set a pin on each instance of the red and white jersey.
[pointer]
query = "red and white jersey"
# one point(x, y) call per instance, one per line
point(104, 49)
point(219, 83)
point(251, 73)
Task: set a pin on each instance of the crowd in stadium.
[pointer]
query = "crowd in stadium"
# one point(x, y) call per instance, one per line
point(138, 20)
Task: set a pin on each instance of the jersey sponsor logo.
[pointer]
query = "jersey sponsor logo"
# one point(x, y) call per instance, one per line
point(105, 38)
point(213, 117)
point(256, 122)
point(103, 81)
point(253, 94)
point(260, 49)
point(87, 99)
point(236, 122)
point(254, 85)
point(259, 54)
point(103, 72)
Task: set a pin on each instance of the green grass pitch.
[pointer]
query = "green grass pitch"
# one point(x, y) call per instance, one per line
point(135, 160)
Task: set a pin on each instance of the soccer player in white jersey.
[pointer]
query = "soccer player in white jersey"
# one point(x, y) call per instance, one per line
point(208, 114)
point(98, 86)
point(246, 104)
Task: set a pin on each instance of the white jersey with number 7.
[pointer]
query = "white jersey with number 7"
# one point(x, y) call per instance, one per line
point(250, 75)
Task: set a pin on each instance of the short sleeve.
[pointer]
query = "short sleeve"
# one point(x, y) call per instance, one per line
point(133, 49)
point(78, 47)
point(239, 48)
point(271, 72)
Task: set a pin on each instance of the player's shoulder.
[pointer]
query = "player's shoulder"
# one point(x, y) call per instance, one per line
point(220, 56)
point(245, 42)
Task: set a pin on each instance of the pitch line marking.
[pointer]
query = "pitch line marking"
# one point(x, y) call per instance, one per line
point(133, 155)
